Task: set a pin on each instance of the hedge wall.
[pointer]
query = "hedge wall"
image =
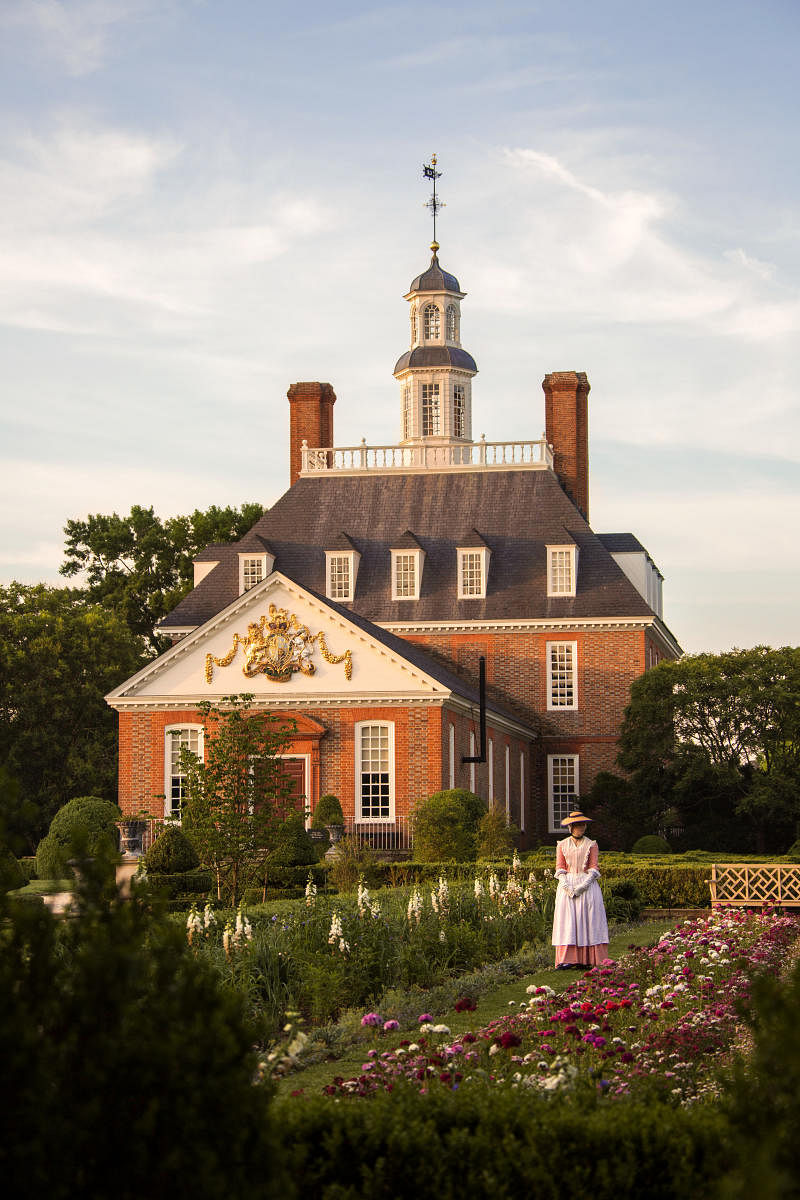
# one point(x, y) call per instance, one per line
point(482, 1142)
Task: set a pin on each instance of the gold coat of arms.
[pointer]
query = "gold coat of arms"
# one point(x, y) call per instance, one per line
point(276, 646)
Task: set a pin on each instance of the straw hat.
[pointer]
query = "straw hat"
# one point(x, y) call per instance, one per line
point(576, 818)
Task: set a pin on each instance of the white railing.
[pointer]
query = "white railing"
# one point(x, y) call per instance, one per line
point(476, 456)
point(384, 835)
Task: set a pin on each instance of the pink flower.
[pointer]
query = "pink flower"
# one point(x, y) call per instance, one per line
point(370, 1019)
point(391, 1025)
point(423, 1019)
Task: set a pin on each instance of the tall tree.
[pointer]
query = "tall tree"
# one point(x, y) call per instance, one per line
point(724, 728)
point(142, 566)
point(59, 655)
point(238, 792)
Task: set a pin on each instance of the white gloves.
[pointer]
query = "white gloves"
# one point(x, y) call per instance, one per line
point(580, 888)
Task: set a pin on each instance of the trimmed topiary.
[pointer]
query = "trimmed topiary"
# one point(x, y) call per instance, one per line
point(651, 844)
point(327, 812)
point(89, 818)
point(51, 859)
point(446, 826)
point(12, 875)
point(496, 836)
point(292, 846)
point(171, 853)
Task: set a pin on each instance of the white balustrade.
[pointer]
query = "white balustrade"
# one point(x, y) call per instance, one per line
point(427, 456)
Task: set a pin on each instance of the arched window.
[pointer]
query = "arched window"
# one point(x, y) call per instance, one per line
point(452, 328)
point(432, 323)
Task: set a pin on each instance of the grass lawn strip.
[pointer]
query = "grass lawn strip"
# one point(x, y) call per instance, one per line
point(493, 1005)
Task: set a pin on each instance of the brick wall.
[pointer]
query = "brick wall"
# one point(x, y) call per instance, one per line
point(310, 419)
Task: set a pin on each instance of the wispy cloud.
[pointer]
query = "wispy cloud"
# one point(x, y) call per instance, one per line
point(75, 33)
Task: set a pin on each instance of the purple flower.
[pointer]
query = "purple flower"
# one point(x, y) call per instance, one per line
point(390, 1025)
point(370, 1019)
point(422, 1020)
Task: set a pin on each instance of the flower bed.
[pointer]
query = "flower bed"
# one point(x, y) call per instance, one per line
point(656, 1019)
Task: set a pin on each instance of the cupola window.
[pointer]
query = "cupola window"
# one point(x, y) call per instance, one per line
point(432, 322)
point(452, 334)
point(431, 423)
point(413, 327)
point(459, 408)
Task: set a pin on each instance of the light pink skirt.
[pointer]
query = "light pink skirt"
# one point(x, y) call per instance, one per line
point(591, 955)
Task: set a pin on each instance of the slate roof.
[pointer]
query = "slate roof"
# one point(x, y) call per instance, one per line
point(621, 543)
point(436, 356)
point(518, 514)
point(435, 280)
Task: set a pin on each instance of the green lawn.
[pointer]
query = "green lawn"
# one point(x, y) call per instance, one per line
point(491, 1005)
point(45, 887)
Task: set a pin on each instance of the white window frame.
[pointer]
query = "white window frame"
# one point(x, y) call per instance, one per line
point(265, 562)
point(431, 404)
point(557, 556)
point(451, 323)
point(508, 782)
point(459, 409)
point(522, 791)
point(552, 761)
point(360, 727)
point(332, 557)
point(482, 553)
point(554, 684)
point(416, 557)
point(491, 772)
point(451, 746)
point(431, 323)
point(171, 814)
point(406, 411)
point(472, 764)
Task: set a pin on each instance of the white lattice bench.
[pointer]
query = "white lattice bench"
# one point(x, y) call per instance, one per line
point(752, 885)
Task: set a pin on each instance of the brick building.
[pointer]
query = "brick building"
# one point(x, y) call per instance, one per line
point(361, 603)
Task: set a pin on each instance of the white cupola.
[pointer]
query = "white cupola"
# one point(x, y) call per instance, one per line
point(435, 375)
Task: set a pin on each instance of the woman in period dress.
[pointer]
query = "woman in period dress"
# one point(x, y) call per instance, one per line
point(580, 929)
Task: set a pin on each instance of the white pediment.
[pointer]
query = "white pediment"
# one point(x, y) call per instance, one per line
point(283, 645)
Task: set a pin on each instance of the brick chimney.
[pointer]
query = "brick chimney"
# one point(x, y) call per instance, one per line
point(566, 409)
point(310, 419)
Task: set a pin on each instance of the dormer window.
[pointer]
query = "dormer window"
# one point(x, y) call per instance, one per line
point(341, 568)
point(432, 322)
point(452, 326)
point(253, 568)
point(473, 569)
point(406, 574)
point(562, 570)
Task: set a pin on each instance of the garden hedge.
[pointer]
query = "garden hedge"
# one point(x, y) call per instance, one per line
point(482, 1142)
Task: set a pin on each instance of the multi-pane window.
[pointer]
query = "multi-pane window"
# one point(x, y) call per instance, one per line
point(339, 577)
point(562, 690)
point(432, 321)
point(508, 782)
point(472, 764)
point(406, 412)
point(189, 738)
point(563, 786)
point(252, 571)
point(459, 408)
point(451, 323)
point(522, 790)
point(470, 573)
point(375, 771)
point(405, 576)
point(452, 754)
point(561, 571)
point(413, 326)
point(430, 409)
point(491, 772)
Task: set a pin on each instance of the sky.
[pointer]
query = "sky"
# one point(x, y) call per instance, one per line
point(203, 201)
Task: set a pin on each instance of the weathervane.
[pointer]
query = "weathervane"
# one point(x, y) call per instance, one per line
point(434, 204)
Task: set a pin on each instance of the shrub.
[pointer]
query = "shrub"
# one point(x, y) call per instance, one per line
point(327, 812)
point(496, 836)
point(171, 853)
point(90, 819)
point(446, 826)
point(178, 885)
point(651, 844)
point(292, 847)
point(353, 859)
point(51, 859)
point(12, 875)
point(793, 853)
point(623, 901)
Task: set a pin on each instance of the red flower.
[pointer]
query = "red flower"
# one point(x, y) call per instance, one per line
point(509, 1040)
point(465, 1004)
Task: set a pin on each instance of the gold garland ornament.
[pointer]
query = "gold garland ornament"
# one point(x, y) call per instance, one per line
point(277, 646)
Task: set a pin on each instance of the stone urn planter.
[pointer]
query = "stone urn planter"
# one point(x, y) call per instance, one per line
point(132, 837)
point(335, 833)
